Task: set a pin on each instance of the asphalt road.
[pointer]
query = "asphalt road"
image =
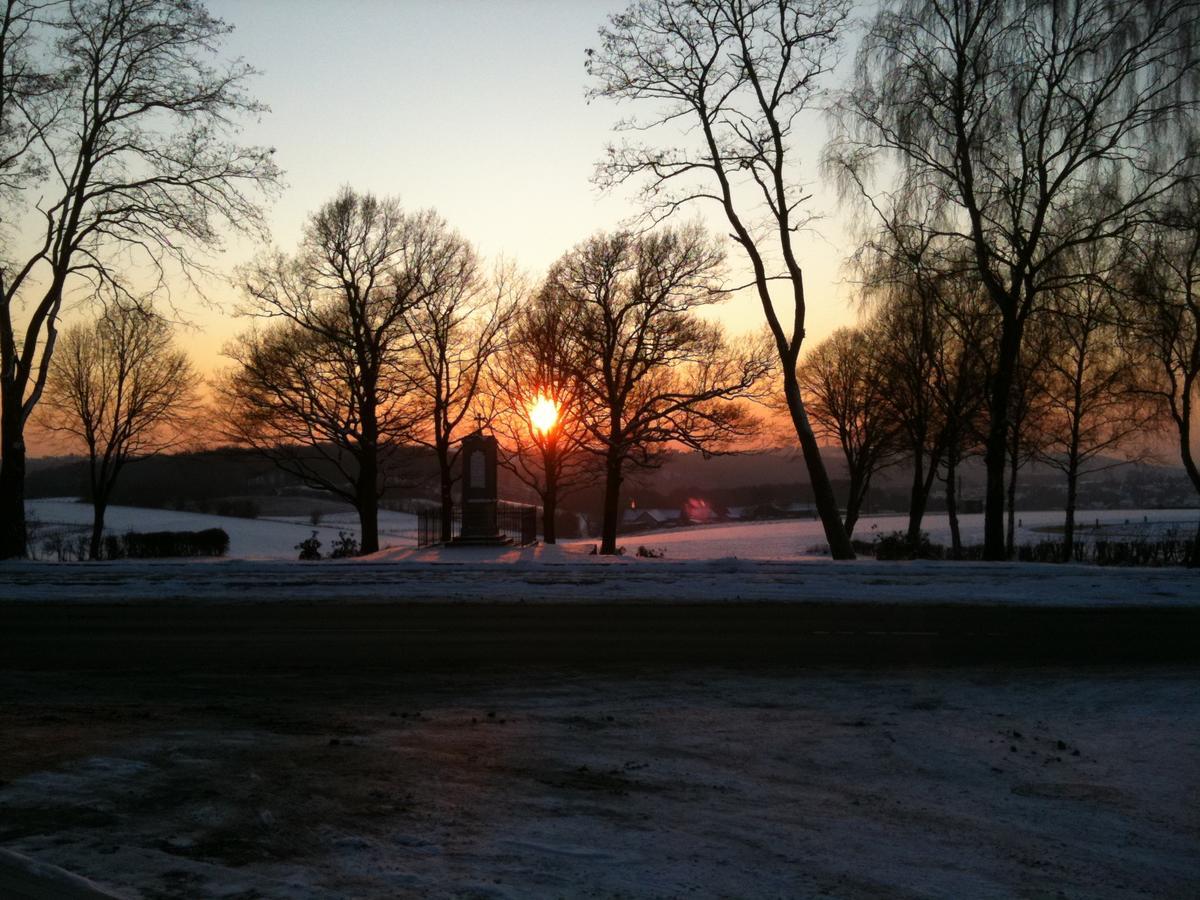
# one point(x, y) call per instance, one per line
point(396, 636)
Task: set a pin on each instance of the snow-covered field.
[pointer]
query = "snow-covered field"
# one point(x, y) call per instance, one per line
point(276, 538)
point(958, 783)
point(263, 538)
point(762, 561)
point(795, 537)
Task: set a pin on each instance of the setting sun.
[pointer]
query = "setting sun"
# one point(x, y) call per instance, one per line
point(543, 414)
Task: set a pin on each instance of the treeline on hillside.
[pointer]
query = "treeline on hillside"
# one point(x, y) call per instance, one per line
point(226, 481)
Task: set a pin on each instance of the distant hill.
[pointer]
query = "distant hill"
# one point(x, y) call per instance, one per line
point(240, 482)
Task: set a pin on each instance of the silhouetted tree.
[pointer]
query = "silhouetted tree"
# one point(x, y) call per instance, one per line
point(455, 331)
point(652, 373)
point(907, 327)
point(1026, 415)
point(844, 380)
point(540, 365)
point(1091, 407)
point(323, 390)
point(1000, 115)
point(728, 83)
point(1165, 329)
point(960, 364)
point(121, 387)
point(127, 159)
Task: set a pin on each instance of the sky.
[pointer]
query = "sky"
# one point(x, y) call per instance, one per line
point(477, 109)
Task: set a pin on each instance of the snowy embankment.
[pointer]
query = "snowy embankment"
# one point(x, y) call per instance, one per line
point(760, 561)
point(552, 575)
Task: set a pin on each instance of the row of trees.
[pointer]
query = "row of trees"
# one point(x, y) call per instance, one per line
point(120, 165)
point(1108, 358)
point(1005, 141)
point(999, 150)
point(385, 330)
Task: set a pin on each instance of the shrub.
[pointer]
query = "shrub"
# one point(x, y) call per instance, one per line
point(896, 545)
point(1167, 552)
point(1048, 551)
point(310, 548)
point(54, 545)
point(345, 546)
point(651, 552)
point(161, 544)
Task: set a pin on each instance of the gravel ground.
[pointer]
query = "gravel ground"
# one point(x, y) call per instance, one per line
point(611, 783)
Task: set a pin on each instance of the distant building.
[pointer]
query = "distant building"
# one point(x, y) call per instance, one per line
point(645, 519)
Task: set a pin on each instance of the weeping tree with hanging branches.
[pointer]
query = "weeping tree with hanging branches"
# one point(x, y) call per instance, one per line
point(1164, 328)
point(999, 116)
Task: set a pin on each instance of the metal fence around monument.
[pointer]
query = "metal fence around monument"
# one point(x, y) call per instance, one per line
point(515, 521)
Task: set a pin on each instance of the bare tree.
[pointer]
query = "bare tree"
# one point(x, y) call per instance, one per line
point(1000, 116)
point(729, 82)
point(845, 381)
point(931, 330)
point(1092, 408)
point(454, 332)
point(1165, 329)
point(122, 388)
point(960, 365)
point(907, 326)
point(541, 420)
point(653, 374)
point(25, 86)
point(134, 164)
point(1027, 411)
point(324, 390)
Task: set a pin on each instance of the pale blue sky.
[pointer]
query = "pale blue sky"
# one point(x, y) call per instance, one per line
point(474, 108)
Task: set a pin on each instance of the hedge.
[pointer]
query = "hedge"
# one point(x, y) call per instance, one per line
point(160, 544)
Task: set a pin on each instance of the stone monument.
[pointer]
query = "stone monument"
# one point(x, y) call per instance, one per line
point(479, 492)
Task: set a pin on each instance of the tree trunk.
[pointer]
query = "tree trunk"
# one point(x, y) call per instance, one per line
point(994, 544)
point(368, 519)
point(1068, 550)
point(549, 511)
point(1184, 423)
point(367, 495)
point(12, 482)
point(99, 507)
point(916, 498)
point(854, 499)
point(612, 505)
point(1014, 465)
point(550, 496)
point(952, 504)
point(823, 495)
point(446, 477)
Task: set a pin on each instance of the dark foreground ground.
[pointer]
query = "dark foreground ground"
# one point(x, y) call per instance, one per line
point(373, 636)
point(307, 751)
point(610, 781)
